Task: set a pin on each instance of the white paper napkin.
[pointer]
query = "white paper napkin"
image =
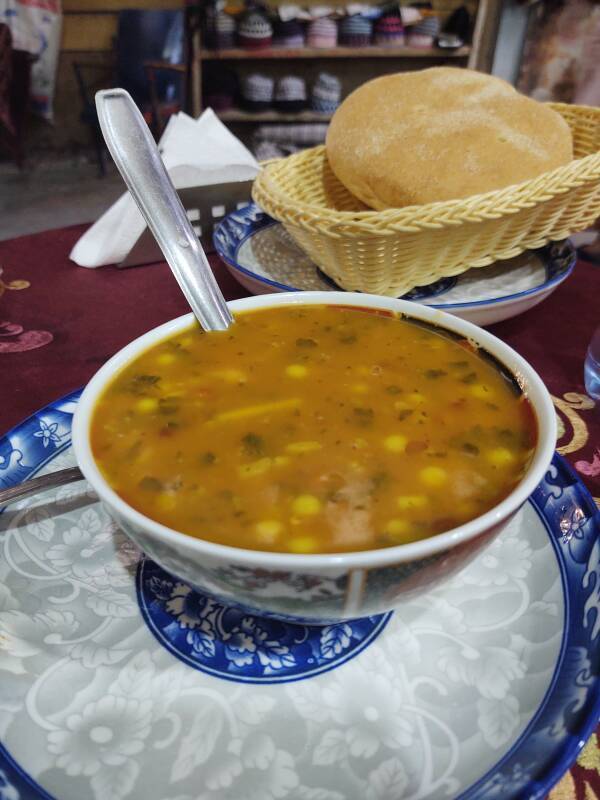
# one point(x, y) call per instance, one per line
point(197, 152)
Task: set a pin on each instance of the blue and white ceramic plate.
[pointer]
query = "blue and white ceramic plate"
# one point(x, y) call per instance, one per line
point(117, 681)
point(263, 257)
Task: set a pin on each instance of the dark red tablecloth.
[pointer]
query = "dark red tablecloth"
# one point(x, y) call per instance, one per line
point(82, 316)
point(59, 322)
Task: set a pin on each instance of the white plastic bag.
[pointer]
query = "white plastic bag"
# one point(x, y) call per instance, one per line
point(36, 27)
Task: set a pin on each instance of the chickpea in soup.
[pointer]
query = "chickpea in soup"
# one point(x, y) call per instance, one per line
point(313, 429)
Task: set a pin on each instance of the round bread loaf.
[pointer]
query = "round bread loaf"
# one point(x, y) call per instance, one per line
point(440, 134)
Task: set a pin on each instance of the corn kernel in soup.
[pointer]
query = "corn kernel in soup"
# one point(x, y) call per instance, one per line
point(313, 429)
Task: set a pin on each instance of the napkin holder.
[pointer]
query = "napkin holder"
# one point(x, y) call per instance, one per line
point(205, 207)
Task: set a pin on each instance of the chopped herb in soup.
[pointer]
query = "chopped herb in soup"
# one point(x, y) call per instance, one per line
point(313, 429)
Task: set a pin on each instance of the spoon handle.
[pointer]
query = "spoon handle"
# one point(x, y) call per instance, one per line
point(35, 485)
point(138, 160)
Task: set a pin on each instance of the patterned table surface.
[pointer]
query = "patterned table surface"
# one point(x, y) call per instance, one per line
point(59, 323)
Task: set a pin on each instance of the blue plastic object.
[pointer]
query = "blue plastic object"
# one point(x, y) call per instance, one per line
point(592, 367)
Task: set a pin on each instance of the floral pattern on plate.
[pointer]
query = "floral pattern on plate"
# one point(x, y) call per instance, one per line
point(228, 642)
point(481, 689)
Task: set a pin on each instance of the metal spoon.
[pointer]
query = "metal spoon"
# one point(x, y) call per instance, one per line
point(138, 160)
point(35, 485)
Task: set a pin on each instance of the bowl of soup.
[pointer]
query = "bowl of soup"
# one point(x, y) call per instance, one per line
point(325, 457)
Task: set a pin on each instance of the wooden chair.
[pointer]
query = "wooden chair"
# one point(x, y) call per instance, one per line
point(15, 77)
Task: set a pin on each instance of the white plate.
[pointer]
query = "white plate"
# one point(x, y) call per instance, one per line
point(263, 257)
point(119, 682)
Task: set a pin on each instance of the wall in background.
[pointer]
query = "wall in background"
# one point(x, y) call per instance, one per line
point(561, 58)
point(89, 28)
point(441, 6)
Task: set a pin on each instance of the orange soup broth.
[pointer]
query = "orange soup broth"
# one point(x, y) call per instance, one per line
point(313, 429)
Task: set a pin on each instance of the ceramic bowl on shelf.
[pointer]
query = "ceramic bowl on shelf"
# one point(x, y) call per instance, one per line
point(320, 588)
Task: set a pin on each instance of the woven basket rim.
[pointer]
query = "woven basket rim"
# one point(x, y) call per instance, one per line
point(489, 205)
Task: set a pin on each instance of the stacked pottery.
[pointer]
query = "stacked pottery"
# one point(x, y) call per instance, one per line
point(326, 94)
point(356, 31)
point(424, 33)
point(288, 33)
point(322, 33)
point(389, 31)
point(257, 92)
point(290, 94)
point(255, 31)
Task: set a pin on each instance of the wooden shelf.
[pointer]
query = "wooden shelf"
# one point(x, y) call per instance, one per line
point(240, 54)
point(239, 115)
point(357, 64)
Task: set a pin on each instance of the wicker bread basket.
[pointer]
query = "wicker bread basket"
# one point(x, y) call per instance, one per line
point(390, 252)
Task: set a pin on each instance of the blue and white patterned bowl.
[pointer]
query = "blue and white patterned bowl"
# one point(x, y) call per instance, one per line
point(319, 588)
point(121, 683)
point(264, 258)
